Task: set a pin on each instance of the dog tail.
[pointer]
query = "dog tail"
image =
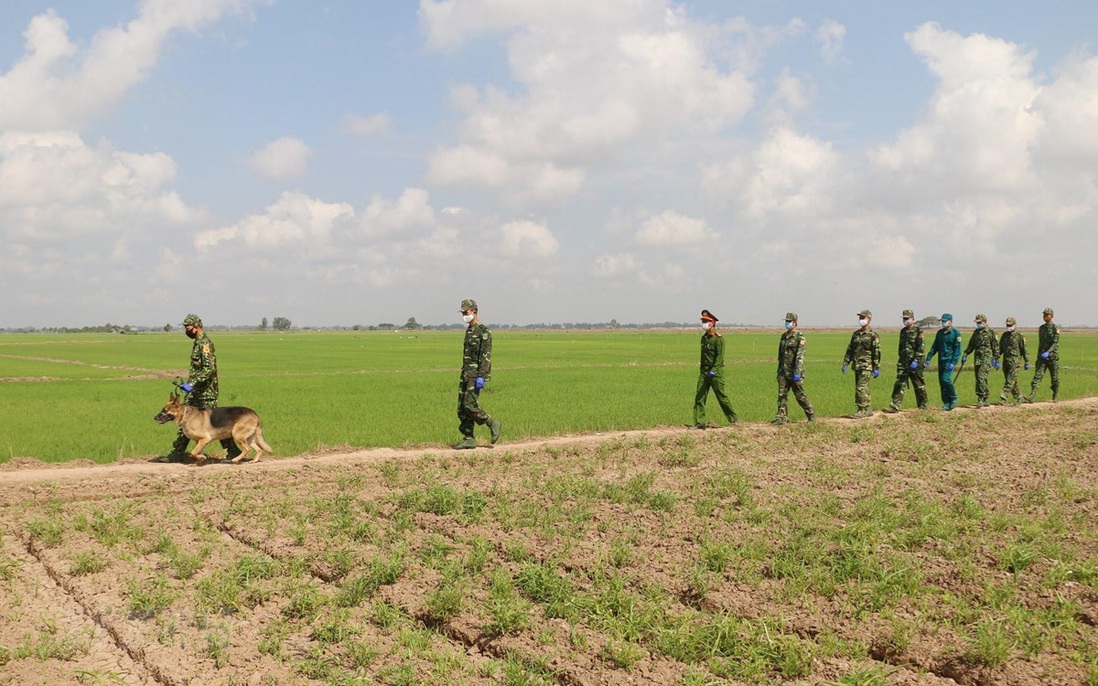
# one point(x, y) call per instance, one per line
point(260, 442)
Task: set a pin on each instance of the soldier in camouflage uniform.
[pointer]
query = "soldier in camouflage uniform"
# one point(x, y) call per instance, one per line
point(1012, 346)
point(1048, 357)
point(864, 353)
point(476, 370)
point(711, 372)
point(201, 385)
point(986, 346)
point(791, 371)
point(947, 346)
point(909, 364)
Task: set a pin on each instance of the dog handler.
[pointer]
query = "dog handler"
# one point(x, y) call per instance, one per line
point(201, 385)
point(476, 370)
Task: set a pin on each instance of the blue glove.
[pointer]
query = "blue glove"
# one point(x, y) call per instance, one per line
point(1027, 366)
point(1044, 355)
point(844, 369)
point(995, 364)
point(949, 366)
point(914, 365)
point(926, 363)
point(876, 373)
point(710, 374)
point(964, 358)
point(797, 378)
point(187, 386)
point(479, 383)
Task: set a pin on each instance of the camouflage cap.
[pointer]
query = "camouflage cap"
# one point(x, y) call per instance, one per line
point(947, 317)
point(790, 316)
point(468, 304)
point(192, 320)
point(708, 316)
point(908, 313)
point(1011, 321)
point(865, 313)
point(981, 317)
point(1048, 310)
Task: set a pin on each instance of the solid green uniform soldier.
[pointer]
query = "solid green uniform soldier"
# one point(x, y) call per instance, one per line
point(791, 371)
point(1012, 348)
point(201, 384)
point(909, 364)
point(985, 345)
point(476, 370)
point(864, 354)
point(947, 346)
point(1048, 357)
point(711, 372)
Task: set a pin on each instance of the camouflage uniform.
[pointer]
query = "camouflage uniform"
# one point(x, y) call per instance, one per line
point(1012, 346)
point(864, 354)
point(911, 350)
point(1048, 341)
point(985, 345)
point(203, 377)
point(791, 372)
point(476, 363)
point(711, 376)
point(947, 346)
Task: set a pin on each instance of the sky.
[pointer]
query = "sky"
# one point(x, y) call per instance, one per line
point(353, 162)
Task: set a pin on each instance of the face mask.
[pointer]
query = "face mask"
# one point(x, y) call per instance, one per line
point(907, 322)
point(863, 322)
point(1010, 328)
point(191, 333)
point(979, 325)
point(467, 318)
point(706, 326)
point(946, 324)
point(789, 326)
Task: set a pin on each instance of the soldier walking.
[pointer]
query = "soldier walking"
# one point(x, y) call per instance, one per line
point(791, 371)
point(864, 354)
point(711, 372)
point(1048, 357)
point(1012, 346)
point(947, 346)
point(476, 370)
point(909, 367)
point(986, 347)
point(201, 385)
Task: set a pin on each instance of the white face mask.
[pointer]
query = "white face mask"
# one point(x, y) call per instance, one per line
point(907, 322)
point(467, 318)
point(979, 325)
point(946, 323)
point(1010, 328)
point(789, 326)
point(706, 326)
point(863, 322)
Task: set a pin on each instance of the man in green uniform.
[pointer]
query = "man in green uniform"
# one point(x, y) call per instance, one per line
point(791, 371)
point(201, 385)
point(864, 353)
point(1012, 346)
point(986, 346)
point(909, 367)
point(476, 370)
point(1048, 357)
point(947, 346)
point(711, 372)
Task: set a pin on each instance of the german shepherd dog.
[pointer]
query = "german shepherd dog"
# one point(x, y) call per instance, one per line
point(241, 424)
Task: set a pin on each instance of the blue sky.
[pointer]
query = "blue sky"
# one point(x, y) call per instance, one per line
point(354, 162)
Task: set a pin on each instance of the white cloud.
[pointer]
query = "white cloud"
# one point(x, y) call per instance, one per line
point(295, 221)
point(527, 239)
point(613, 266)
point(285, 158)
point(831, 36)
point(671, 229)
point(373, 125)
point(411, 211)
point(60, 85)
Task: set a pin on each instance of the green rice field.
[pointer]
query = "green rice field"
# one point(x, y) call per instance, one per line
point(93, 396)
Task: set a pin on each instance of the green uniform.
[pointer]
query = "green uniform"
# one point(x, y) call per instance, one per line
point(1048, 341)
point(203, 376)
point(1012, 347)
point(791, 364)
point(984, 346)
point(910, 353)
point(947, 346)
point(476, 362)
point(864, 355)
point(711, 376)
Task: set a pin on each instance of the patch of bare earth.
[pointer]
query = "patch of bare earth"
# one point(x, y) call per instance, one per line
point(920, 548)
